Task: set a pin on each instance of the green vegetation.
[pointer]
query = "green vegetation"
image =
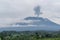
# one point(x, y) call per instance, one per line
point(30, 35)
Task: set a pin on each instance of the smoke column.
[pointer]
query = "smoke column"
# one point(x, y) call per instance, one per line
point(37, 10)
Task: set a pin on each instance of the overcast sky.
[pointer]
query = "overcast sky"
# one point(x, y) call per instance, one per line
point(14, 10)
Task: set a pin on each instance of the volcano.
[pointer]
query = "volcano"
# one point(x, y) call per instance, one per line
point(32, 24)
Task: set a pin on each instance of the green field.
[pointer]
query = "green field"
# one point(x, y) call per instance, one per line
point(49, 39)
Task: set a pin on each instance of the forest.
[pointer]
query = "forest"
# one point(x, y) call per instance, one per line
point(30, 35)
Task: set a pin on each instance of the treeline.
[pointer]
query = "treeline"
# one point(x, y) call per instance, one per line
point(28, 35)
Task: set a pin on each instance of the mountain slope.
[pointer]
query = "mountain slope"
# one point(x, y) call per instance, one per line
point(35, 23)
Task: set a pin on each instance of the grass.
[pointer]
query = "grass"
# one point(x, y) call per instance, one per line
point(49, 39)
point(0, 38)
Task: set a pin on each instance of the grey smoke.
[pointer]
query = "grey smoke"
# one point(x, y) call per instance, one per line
point(37, 10)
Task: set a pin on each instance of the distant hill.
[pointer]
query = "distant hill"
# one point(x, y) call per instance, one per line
point(35, 23)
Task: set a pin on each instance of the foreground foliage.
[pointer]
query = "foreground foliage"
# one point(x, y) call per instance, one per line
point(30, 35)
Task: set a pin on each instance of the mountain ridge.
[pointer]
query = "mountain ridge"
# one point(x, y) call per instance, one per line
point(36, 23)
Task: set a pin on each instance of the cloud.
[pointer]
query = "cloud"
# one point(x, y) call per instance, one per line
point(11, 10)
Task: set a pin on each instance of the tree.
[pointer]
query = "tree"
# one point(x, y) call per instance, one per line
point(37, 35)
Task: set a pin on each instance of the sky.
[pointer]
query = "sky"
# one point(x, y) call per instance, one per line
point(13, 10)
